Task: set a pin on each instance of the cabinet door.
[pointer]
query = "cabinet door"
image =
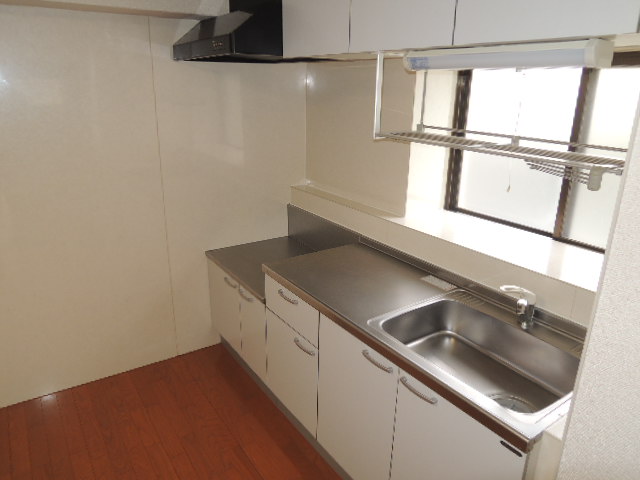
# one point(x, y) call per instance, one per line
point(225, 305)
point(437, 440)
point(397, 24)
point(312, 27)
point(356, 403)
point(513, 20)
point(254, 333)
point(292, 371)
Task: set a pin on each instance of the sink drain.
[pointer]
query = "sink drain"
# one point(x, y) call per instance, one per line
point(512, 402)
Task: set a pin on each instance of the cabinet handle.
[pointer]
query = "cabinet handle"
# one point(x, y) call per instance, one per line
point(412, 389)
point(510, 448)
point(230, 283)
point(302, 347)
point(244, 296)
point(367, 355)
point(292, 301)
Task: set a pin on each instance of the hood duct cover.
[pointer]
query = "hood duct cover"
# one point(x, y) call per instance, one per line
point(251, 32)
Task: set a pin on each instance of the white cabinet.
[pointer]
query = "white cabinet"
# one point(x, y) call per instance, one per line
point(292, 372)
point(519, 20)
point(301, 316)
point(253, 333)
point(292, 353)
point(312, 27)
point(239, 317)
point(437, 440)
point(398, 24)
point(356, 403)
point(376, 421)
point(225, 306)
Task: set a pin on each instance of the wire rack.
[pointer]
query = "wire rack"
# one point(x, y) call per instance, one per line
point(559, 158)
point(572, 165)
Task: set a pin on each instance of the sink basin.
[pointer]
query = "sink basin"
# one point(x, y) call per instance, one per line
point(483, 346)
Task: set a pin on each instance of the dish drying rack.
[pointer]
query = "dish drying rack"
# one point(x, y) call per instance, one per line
point(569, 164)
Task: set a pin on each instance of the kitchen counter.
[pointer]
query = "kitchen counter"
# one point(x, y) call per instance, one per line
point(354, 281)
point(244, 262)
point(353, 284)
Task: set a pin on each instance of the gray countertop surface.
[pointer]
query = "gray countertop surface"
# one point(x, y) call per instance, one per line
point(353, 284)
point(244, 262)
point(355, 281)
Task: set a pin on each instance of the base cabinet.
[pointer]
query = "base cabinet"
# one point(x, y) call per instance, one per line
point(434, 439)
point(292, 371)
point(239, 317)
point(356, 403)
point(225, 306)
point(376, 421)
point(253, 330)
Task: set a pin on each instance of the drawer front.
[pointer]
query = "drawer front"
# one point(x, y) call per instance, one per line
point(292, 371)
point(300, 316)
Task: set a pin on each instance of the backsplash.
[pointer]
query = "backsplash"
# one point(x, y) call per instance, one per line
point(435, 255)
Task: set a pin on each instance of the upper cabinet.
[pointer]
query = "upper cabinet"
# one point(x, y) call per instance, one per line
point(521, 20)
point(312, 27)
point(398, 24)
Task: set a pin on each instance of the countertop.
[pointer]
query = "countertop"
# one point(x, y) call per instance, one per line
point(244, 262)
point(353, 284)
point(354, 281)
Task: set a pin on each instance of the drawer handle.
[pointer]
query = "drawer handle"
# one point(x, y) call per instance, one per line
point(412, 389)
point(299, 344)
point(292, 301)
point(510, 448)
point(244, 295)
point(367, 355)
point(230, 283)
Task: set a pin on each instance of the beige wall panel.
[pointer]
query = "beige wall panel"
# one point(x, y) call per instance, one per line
point(602, 433)
point(341, 153)
point(84, 280)
point(232, 141)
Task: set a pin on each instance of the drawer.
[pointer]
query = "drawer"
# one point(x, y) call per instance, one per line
point(292, 373)
point(298, 314)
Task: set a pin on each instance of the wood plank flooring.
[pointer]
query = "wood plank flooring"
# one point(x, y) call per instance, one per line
point(197, 416)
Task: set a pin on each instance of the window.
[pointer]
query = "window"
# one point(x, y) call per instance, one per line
point(566, 104)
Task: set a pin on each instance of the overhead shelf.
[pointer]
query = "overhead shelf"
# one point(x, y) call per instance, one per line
point(570, 163)
point(574, 166)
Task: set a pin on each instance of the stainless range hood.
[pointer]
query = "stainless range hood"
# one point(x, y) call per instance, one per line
point(251, 32)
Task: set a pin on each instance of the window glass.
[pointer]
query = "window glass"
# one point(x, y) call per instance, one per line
point(428, 164)
point(609, 121)
point(535, 103)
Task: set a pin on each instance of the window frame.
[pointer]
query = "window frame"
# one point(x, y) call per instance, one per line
point(455, 161)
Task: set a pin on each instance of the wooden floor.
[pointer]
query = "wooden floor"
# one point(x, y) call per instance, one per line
point(197, 416)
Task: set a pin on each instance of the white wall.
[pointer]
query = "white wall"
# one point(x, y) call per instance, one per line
point(232, 139)
point(603, 428)
point(341, 154)
point(118, 169)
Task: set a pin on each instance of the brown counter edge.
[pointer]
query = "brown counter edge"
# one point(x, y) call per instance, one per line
point(259, 296)
point(520, 442)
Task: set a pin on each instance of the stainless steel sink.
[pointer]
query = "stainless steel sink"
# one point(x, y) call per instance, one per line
point(483, 346)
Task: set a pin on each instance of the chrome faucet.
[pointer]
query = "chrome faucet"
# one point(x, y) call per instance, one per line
point(525, 305)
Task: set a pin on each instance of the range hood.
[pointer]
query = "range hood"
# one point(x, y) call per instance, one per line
point(251, 32)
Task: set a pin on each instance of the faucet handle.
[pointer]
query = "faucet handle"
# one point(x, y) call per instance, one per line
point(522, 293)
